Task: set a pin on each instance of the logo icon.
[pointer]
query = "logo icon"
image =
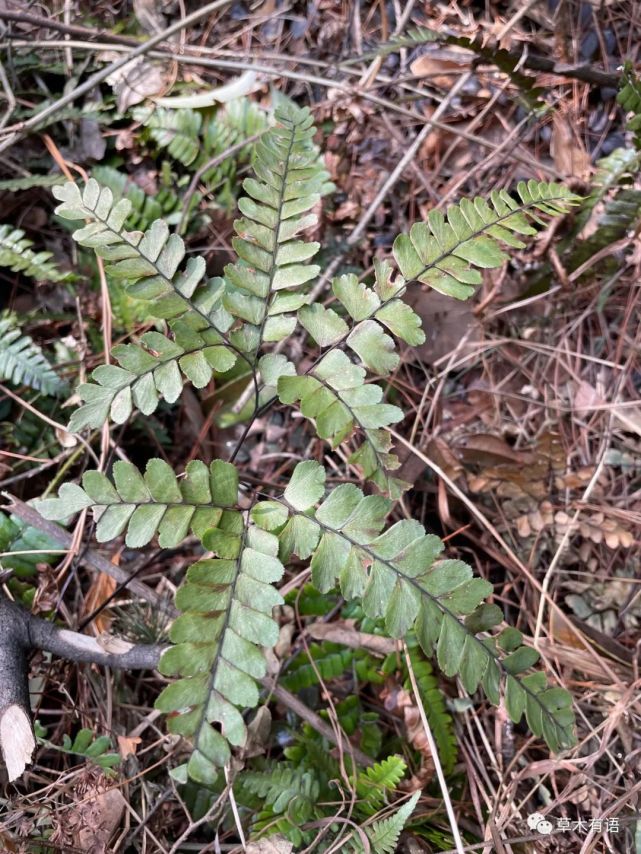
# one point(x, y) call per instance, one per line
point(538, 822)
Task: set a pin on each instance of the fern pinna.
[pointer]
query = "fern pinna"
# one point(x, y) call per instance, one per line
point(395, 568)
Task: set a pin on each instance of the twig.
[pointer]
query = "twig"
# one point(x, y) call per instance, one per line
point(234, 809)
point(349, 91)
point(586, 72)
point(210, 164)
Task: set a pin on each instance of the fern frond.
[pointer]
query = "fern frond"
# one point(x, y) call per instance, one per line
point(619, 216)
point(23, 362)
point(374, 784)
point(397, 574)
point(151, 262)
point(263, 286)
point(281, 785)
point(384, 835)
point(16, 538)
point(612, 172)
point(227, 605)
point(434, 704)
point(334, 393)
point(411, 37)
point(144, 208)
point(629, 96)
point(175, 130)
point(331, 660)
point(16, 254)
point(154, 503)
point(16, 185)
point(447, 252)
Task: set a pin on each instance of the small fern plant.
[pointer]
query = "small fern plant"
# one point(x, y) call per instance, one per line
point(396, 569)
point(21, 360)
point(17, 253)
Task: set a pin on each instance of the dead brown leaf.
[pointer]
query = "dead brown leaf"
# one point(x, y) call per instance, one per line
point(446, 322)
point(98, 820)
point(484, 449)
point(101, 589)
point(273, 845)
point(128, 745)
point(569, 154)
point(400, 702)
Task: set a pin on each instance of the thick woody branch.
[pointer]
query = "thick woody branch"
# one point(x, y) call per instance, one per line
point(20, 633)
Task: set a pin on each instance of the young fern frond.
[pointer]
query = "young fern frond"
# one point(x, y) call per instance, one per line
point(398, 577)
point(17, 254)
point(22, 362)
point(447, 252)
point(383, 835)
point(374, 784)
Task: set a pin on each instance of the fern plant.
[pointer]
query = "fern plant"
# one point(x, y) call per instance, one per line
point(395, 568)
point(22, 362)
point(193, 141)
point(17, 254)
point(383, 835)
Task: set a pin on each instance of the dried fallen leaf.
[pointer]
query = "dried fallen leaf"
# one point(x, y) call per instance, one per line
point(127, 745)
point(570, 157)
point(439, 65)
point(483, 448)
point(273, 845)
point(99, 818)
point(587, 397)
point(135, 81)
point(99, 593)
